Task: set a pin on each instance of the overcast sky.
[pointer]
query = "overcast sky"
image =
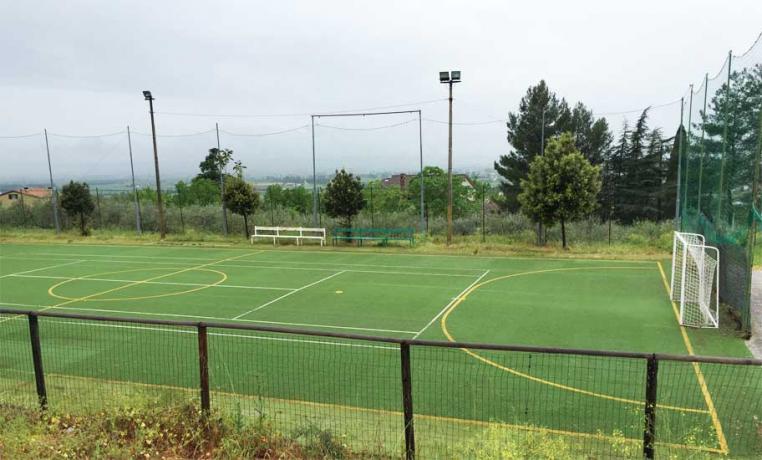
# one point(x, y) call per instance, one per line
point(78, 68)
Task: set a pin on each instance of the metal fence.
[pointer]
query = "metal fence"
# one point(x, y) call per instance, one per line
point(392, 397)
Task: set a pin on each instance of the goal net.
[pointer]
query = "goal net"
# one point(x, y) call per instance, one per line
point(695, 280)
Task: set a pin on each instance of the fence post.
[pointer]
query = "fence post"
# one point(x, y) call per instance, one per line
point(203, 367)
point(39, 375)
point(407, 400)
point(649, 432)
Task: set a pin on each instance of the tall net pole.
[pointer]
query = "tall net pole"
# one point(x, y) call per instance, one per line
point(314, 178)
point(688, 147)
point(680, 132)
point(726, 117)
point(138, 223)
point(420, 153)
point(703, 133)
point(53, 194)
point(222, 184)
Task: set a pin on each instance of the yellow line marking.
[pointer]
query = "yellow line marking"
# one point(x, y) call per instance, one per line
point(697, 369)
point(391, 413)
point(51, 291)
point(464, 296)
point(135, 283)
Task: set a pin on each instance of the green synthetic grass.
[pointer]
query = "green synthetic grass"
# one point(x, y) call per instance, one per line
point(571, 303)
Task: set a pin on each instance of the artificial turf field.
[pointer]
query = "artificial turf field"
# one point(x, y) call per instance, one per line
point(618, 305)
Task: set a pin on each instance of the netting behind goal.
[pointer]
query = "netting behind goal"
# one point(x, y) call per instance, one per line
point(695, 280)
point(719, 170)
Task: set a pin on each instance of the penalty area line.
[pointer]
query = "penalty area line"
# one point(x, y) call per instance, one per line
point(212, 318)
point(288, 294)
point(433, 320)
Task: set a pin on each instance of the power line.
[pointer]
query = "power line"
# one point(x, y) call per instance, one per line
point(175, 135)
point(626, 112)
point(21, 136)
point(469, 123)
point(87, 136)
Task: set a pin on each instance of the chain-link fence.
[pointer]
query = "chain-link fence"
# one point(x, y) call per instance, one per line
point(389, 397)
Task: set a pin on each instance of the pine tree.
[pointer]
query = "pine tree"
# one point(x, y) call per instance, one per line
point(525, 134)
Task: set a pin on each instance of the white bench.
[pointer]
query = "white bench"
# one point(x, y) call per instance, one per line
point(293, 233)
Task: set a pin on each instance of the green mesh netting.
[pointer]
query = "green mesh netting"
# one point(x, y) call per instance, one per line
point(720, 170)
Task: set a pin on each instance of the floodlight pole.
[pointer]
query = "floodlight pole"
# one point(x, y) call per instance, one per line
point(222, 184)
point(159, 203)
point(314, 178)
point(449, 78)
point(138, 224)
point(53, 195)
point(449, 168)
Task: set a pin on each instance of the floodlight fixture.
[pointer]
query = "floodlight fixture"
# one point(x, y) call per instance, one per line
point(444, 77)
point(147, 95)
point(455, 75)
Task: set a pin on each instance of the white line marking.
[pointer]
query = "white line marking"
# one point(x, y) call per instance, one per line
point(290, 293)
point(331, 327)
point(382, 272)
point(345, 251)
point(250, 337)
point(101, 310)
point(292, 262)
point(43, 268)
point(168, 283)
point(448, 305)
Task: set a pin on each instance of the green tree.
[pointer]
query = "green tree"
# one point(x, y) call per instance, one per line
point(344, 197)
point(274, 195)
point(388, 199)
point(182, 198)
point(525, 128)
point(435, 193)
point(561, 185)
point(214, 164)
point(241, 198)
point(204, 191)
point(298, 198)
point(77, 202)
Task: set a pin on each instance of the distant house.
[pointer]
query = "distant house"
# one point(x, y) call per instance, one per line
point(398, 180)
point(29, 196)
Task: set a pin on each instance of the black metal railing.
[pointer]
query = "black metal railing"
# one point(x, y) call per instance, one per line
point(728, 380)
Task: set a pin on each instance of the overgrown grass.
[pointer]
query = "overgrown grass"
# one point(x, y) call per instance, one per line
point(648, 240)
point(148, 428)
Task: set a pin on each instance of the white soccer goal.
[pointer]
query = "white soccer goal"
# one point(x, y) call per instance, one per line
point(695, 280)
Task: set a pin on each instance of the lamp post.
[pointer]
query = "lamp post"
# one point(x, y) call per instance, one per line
point(449, 78)
point(162, 224)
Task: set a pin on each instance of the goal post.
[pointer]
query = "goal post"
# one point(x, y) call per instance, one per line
point(695, 280)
